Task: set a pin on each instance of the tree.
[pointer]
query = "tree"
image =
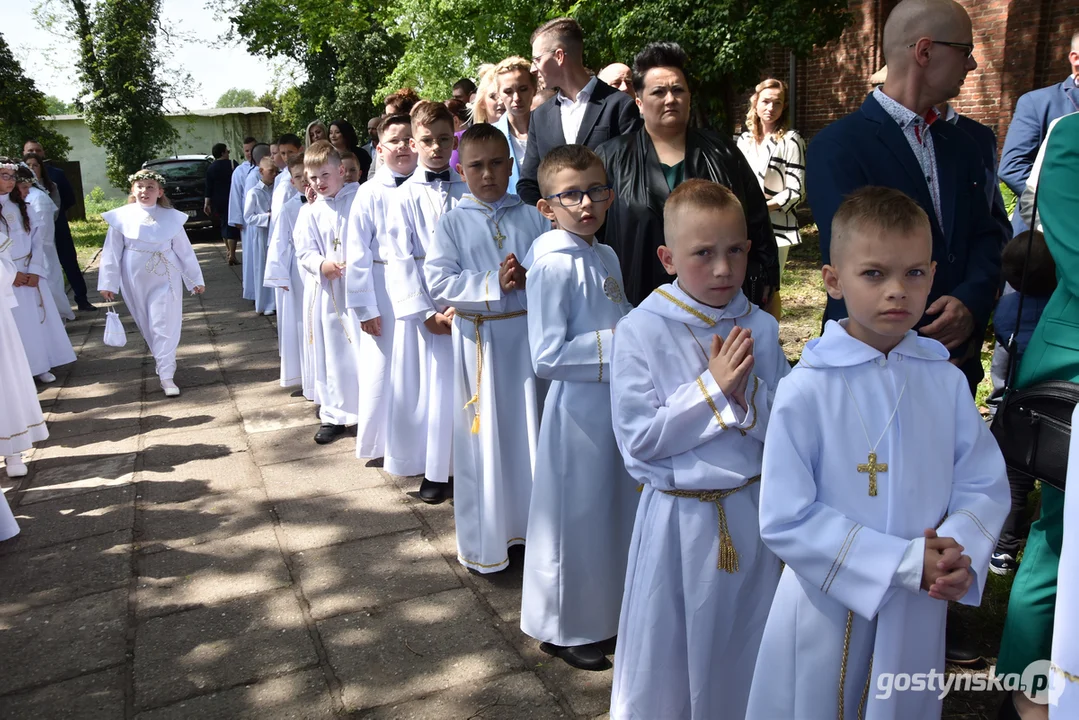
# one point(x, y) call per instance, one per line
point(236, 98)
point(118, 64)
point(56, 106)
point(22, 107)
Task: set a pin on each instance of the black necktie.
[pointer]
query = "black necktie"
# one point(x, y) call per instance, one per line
point(444, 176)
point(400, 180)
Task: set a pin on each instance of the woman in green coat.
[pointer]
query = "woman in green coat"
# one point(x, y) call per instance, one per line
point(1053, 354)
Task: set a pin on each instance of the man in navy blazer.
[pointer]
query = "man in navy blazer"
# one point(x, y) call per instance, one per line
point(586, 110)
point(929, 51)
point(1030, 123)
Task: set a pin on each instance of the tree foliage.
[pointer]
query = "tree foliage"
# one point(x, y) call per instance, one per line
point(56, 106)
point(236, 98)
point(124, 96)
point(22, 107)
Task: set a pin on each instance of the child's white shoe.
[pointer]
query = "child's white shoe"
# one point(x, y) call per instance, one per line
point(170, 388)
point(268, 313)
point(15, 466)
point(46, 377)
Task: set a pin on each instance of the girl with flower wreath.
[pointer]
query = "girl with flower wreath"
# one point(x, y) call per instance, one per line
point(148, 259)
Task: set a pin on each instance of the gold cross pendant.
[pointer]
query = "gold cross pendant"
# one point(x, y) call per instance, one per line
point(336, 243)
point(872, 468)
point(499, 237)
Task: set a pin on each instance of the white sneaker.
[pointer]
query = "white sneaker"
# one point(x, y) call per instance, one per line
point(170, 388)
point(268, 313)
point(46, 377)
point(15, 466)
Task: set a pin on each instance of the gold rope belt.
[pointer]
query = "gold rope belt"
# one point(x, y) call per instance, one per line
point(843, 672)
point(158, 264)
point(40, 298)
point(728, 556)
point(478, 320)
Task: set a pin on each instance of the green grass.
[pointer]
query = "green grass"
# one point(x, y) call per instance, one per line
point(89, 234)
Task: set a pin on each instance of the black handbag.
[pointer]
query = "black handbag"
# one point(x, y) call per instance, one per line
point(1033, 424)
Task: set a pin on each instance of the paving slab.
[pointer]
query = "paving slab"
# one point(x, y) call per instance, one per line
point(45, 576)
point(515, 697)
point(97, 696)
point(182, 524)
point(107, 418)
point(312, 477)
point(57, 642)
point(78, 516)
point(295, 443)
point(299, 696)
point(415, 647)
point(214, 648)
point(210, 574)
point(371, 573)
point(236, 347)
point(76, 478)
point(99, 445)
point(280, 416)
point(252, 398)
point(184, 466)
point(317, 522)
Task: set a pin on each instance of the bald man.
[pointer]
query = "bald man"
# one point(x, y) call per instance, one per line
point(620, 77)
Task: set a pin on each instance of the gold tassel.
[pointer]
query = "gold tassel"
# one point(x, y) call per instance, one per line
point(476, 424)
point(728, 556)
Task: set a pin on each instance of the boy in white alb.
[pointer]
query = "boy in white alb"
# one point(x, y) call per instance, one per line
point(883, 490)
point(693, 371)
point(473, 266)
point(419, 436)
point(583, 500)
point(257, 207)
point(252, 285)
point(365, 281)
point(320, 250)
point(236, 202)
point(284, 274)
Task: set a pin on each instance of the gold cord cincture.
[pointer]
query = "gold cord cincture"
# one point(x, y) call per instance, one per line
point(728, 556)
point(478, 320)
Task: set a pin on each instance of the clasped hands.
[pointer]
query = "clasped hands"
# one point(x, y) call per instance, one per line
point(25, 279)
point(731, 363)
point(511, 274)
point(946, 570)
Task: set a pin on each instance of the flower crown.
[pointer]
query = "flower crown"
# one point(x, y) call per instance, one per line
point(146, 174)
point(9, 166)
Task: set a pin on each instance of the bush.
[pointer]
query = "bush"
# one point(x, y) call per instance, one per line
point(97, 203)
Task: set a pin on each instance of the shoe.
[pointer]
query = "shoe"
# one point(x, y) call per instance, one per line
point(328, 432)
point(85, 306)
point(170, 388)
point(268, 313)
point(582, 657)
point(15, 466)
point(957, 649)
point(46, 377)
point(434, 493)
point(1002, 564)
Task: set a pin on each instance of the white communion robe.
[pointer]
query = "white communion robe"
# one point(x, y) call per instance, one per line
point(45, 209)
point(367, 298)
point(853, 560)
point(21, 422)
point(497, 405)
point(583, 501)
point(1064, 670)
point(282, 271)
point(257, 237)
point(148, 259)
point(309, 355)
point(42, 331)
point(318, 238)
point(419, 434)
point(689, 631)
point(237, 197)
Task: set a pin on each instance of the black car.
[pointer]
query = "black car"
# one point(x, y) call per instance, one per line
point(185, 185)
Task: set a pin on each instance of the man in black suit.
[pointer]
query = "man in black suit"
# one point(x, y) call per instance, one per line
point(65, 246)
point(218, 187)
point(585, 111)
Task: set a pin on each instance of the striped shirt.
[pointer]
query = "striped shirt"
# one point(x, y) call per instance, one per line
point(780, 170)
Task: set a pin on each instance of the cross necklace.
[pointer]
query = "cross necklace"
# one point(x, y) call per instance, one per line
point(498, 236)
point(871, 466)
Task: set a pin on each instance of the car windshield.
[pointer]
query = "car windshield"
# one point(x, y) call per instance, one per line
point(178, 171)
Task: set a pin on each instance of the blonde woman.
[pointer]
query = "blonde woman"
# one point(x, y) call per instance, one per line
point(316, 130)
point(777, 155)
point(488, 107)
point(515, 86)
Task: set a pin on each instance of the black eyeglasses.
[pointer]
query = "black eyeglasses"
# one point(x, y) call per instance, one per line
point(573, 198)
point(967, 48)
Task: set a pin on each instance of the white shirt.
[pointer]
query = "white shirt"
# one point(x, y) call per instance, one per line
point(916, 130)
point(573, 110)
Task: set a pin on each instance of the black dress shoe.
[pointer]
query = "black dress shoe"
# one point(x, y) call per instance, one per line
point(434, 493)
point(85, 306)
point(958, 650)
point(582, 657)
point(328, 432)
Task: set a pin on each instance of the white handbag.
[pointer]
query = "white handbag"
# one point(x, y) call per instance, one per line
point(115, 335)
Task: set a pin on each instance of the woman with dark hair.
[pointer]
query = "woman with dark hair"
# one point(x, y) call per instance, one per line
point(37, 163)
point(645, 166)
point(343, 137)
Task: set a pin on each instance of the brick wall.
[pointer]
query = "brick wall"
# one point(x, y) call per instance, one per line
point(1021, 45)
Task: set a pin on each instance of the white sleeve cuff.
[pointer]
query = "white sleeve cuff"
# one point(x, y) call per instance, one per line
point(909, 574)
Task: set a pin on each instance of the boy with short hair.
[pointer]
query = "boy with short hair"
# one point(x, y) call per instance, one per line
point(365, 281)
point(283, 273)
point(257, 222)
point(473, 266)
point(583, 501)
point(421, 412)
point(288, 147)
point(321, 252)
point(693, 370)
point(883, 489)
point(351, 164)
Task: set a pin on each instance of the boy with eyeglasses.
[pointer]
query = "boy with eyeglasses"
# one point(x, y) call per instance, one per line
point(583, 500)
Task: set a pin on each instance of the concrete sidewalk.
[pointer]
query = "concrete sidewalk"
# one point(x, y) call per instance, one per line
point(201, 557)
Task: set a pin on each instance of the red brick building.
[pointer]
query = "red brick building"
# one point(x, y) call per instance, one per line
point(1020, 45)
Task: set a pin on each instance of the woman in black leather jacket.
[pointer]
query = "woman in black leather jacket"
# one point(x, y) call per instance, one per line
point(646, 165)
